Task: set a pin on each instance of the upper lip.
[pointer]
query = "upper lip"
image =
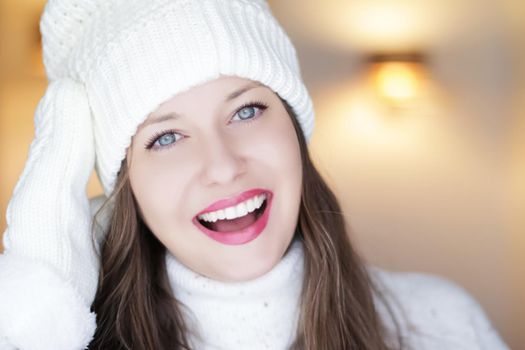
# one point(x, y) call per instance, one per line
point(232, 201)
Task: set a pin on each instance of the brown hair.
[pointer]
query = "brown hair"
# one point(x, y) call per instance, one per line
point(136, 309)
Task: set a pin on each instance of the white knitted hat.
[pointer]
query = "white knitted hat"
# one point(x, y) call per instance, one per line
point(132, 55)
point(110, 63)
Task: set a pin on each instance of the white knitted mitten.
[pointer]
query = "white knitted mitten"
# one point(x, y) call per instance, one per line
point(49, 271)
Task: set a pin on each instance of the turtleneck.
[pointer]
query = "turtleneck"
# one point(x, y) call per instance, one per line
point(258, 314)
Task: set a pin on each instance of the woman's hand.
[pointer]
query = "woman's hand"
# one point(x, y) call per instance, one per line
point(49, 271)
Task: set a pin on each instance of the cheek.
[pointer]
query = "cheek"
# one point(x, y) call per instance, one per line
point(157, 186)
point(278, 155)
point(280, 148)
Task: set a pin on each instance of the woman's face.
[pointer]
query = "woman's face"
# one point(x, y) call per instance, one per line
point(216, 172)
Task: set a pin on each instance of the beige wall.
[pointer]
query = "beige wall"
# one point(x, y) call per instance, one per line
point(517, 194)
point(516, 188)
point(516, 241)
point(20, 87)
point(439, 188)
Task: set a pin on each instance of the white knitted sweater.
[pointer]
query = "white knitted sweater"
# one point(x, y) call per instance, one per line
point(263, 313)
point(434, 313)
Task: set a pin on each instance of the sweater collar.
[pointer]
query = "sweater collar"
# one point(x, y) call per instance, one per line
point(289, 268)
point(260, 313)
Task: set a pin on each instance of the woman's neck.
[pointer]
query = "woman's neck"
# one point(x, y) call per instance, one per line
point(261, 313)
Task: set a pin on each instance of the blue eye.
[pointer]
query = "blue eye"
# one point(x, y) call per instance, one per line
point(249, 111)
point(164, 139)
point(246, 113)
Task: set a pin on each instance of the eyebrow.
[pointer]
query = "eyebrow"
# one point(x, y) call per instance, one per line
point(242, 90)
point(159, 119)
point(175, 116)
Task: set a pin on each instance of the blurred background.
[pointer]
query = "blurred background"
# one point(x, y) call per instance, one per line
point(420, 131)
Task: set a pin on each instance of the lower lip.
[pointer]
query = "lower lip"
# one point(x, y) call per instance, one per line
point(243, 236)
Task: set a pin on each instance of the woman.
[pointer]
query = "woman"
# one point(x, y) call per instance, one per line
point(217, 231)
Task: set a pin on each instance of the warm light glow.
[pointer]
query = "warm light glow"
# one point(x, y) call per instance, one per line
point(352, 115)
point(398, 81)
point(385, 22)
point(371, 24)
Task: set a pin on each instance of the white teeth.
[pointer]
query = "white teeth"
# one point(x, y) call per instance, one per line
point(230, 213)
point(220, 214)
point(241, 209)
point(250, 205)
point(237, 211)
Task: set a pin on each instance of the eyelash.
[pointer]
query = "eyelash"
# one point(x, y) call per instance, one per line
point(150, 144)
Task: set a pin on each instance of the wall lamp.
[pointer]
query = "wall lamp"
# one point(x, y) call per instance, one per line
point(399, 79)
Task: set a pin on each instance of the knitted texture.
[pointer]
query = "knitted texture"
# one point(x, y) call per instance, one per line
point(258, 314)
point(132, 55)
point(48, 247)
point(434, 313)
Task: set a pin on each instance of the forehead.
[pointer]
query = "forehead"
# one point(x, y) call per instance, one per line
point(222, 89)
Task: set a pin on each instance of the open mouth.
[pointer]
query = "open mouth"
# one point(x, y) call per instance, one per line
point(236, 224)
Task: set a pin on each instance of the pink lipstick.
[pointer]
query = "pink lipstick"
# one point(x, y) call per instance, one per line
point(260, 218)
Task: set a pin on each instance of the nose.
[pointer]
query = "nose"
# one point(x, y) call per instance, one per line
point(223, 161)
